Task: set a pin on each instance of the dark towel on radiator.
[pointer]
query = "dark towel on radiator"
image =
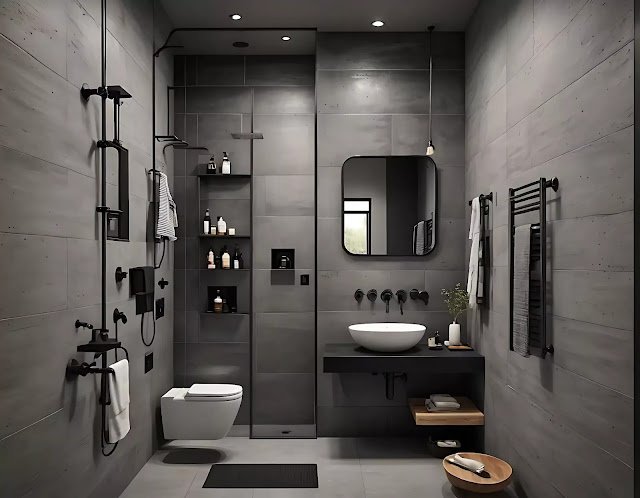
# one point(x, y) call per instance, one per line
point(521, 281)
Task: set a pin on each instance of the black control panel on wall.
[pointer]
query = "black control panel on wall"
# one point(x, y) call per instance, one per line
point(148, 362)
point(304, 279)
point(159, 307)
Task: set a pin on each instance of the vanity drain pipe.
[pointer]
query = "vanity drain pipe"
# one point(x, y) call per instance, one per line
point(390, 382)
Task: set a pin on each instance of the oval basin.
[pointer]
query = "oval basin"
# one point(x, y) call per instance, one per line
point(387, 337)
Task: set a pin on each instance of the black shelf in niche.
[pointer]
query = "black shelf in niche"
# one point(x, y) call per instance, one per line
point(208, 236)
point(212, 313)
point(218, 176)
point(226, 270)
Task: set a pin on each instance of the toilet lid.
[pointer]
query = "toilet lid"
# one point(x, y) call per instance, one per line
point(213, 390)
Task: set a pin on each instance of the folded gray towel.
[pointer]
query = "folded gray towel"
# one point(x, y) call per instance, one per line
point(521, 276)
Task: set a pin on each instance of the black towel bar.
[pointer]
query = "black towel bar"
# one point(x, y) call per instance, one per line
point(538, 293)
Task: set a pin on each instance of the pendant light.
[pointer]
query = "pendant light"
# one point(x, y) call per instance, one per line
point(430, 148)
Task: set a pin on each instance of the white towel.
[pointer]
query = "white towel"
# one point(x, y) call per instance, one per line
point(474, 257)
point(441, 397)
point(167, 212)
point(468, 463)
point(521, 281)
point(118, 410)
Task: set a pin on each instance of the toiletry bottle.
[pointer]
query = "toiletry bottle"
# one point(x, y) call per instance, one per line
point(222, 226)
point(207, 223)
point(236, 259)
point(211, 262)
point(225, 306)
point(217, 303)
point(212, 169)
point(218, 259)
point(240, 260)
point(226, 259)
point(226, 164)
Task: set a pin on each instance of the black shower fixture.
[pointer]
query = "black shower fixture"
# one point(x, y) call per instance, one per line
point(119, 315)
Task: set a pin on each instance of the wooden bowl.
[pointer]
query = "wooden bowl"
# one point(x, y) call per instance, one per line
point(499, 474)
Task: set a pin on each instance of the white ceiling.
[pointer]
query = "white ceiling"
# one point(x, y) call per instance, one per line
point(325, 15)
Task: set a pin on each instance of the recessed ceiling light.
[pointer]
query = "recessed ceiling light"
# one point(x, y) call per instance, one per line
point(240, 44)
point(377, 23)
point(235, 17)
point(286, 38)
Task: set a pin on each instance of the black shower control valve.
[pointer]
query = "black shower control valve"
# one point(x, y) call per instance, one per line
point(402, 298)
point(120, 274)
point(372, 295)
point(83, 325)
point(163, 283)
point(421, 295)
point(358, 295)
point(119, 315)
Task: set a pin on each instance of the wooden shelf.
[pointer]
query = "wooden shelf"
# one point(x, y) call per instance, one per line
point(467, 414)
point(206, 236)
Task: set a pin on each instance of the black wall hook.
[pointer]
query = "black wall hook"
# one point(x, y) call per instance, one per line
point(120, 274)
point(163, 283)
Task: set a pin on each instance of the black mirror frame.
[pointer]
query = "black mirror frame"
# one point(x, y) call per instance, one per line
point(435, 222)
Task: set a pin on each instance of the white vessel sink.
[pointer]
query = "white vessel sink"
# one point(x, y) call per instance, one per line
point(387, 337)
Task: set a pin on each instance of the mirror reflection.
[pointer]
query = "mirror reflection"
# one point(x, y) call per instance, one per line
point(389, 205)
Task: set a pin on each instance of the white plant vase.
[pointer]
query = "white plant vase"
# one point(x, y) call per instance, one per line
point(454, 334)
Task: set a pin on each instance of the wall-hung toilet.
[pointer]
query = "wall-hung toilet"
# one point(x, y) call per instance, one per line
point(202, 411)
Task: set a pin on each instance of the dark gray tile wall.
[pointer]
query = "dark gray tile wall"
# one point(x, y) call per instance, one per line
point(549, 92)
point(220, 95)
point(50, 276)
point(372, 100)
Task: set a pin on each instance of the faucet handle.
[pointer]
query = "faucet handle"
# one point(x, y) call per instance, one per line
point(422, 295)
point(402, 296)
point(386, 295)
point(358, 295)
point(372, 295)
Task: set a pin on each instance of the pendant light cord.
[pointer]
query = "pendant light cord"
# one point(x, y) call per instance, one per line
point(430, 29)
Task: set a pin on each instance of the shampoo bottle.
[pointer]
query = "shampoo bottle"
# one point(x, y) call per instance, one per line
point(236, 259)
point(217, 303)
point(226, 259)
point(212, 169)
point(222, 226)
point(207, 223)
point(226, 164)
point(211, 261)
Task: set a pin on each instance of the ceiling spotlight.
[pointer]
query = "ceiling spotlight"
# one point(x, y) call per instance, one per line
point(377, 23)
point(286, 38)
point(235, 17)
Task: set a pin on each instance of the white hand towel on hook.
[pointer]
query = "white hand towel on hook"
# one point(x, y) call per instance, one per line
point(118, 411)
point(474, 258)
point(167, 212)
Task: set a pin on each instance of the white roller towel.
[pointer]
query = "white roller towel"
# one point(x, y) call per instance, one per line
point(118, 410)
point(474, 258)
point(521, 281)
point(167, 212)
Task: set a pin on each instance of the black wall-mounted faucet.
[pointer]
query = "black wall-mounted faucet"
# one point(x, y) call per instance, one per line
point(422, 295)
point(372, 295)
point(386, 296)
point(402, 298)
point(358, 295)
point(119, 315)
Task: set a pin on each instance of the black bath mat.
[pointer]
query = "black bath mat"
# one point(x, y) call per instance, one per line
point(288, 475)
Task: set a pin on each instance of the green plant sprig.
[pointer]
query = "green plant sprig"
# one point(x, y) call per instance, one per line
point(457, 301)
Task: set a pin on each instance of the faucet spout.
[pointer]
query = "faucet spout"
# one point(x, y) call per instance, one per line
point(386, 297)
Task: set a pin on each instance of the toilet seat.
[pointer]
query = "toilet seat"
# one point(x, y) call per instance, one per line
point(212, 393)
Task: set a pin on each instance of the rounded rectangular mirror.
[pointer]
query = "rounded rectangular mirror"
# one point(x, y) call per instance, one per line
point(389, 205)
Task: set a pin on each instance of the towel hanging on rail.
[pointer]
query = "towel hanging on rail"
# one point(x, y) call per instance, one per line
point(167, 212)
point(521, 285)
point(474, 258)
point(118, 410)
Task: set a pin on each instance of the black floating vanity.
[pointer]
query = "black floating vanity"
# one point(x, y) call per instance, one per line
point(351, 358)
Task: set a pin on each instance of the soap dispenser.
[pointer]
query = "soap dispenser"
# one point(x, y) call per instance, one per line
point(226, 164)
point(211, 261)
point(206, 225)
